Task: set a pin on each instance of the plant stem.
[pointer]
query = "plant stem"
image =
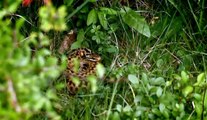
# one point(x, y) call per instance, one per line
point(76, 10)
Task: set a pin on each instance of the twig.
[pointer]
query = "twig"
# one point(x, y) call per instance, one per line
point(22, 18)
point(13, 97)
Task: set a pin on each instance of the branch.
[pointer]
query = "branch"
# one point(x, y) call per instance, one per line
point(12, 95)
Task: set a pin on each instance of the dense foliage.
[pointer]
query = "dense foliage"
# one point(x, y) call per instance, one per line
point(154, 52)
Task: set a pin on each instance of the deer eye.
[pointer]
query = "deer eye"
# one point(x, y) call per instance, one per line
point(81, 53)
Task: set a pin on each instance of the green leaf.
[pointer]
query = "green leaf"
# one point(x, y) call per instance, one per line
point(200, 79)
point(92, 17)
point(134, 20)
point(93, 83)
point(111, 49)
point(113, 27)
point(184, 77)
point(44, 52)
point(160, 63)
point(81, 35)
point(145, 78)
point(168, 83)
point(51, 94)
point(23, 61)
point(198, 108)
point(156, 111)
point(157, 81)
point(108, 11)
point(2, 13)
point(93, 0)
point(52, 18)
point(119, 107)
point(159, 91)
point(102, 19)
point(180, 106)
point(133, 79)
point(51, 61)
point(138, 98)
point(75, 45)
point(13, 7)
point(40, 61)
point(40, 103)
point(197, 96)
point(187, 90)
point(76, 81)
point(127, 108)
point(115, 116)
point(166, 114)
point(100, 70)
point(68, 2)
point(177, 77)
point(19, 23)
point(161, 107)
point(80, 39)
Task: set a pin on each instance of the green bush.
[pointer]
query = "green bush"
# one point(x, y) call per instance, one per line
point(27, 67)
point(154, 53)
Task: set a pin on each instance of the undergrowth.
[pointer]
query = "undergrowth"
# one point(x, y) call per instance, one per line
point(154, 53)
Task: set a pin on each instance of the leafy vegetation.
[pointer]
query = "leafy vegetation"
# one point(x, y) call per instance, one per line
point(154, 52)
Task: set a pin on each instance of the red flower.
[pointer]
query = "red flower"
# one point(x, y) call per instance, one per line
point(26, 3)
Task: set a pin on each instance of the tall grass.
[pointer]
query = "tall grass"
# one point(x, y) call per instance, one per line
point(147, 77)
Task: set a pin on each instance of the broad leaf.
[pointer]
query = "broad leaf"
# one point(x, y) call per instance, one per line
point(93, 83)
point(159, 91)
point(108, 11)
point(160, 63)
point(92, 17)
point(80, 38)
point(134, 20)
point(162, 107)
point(102, 19)
point(133, 79)
point(187, 90)
point(200, 79)
point(100, 70)
point(184, 77)
point(157, 81)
